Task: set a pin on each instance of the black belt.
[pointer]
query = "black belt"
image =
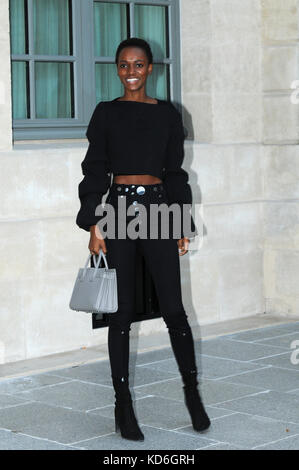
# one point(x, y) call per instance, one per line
point(137, 189)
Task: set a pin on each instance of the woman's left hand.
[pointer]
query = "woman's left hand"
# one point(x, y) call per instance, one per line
point(183, 245)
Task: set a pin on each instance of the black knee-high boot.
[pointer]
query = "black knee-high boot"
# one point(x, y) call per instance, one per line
point(183, 347)
point(193, 401)
point(125, 419)
point(119, 350)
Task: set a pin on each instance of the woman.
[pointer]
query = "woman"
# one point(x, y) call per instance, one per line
point(141, 141)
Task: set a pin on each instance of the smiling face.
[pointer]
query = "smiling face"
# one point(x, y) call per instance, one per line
point(133, 68)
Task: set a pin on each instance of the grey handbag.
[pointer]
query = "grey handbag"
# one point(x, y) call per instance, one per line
point(95, 289)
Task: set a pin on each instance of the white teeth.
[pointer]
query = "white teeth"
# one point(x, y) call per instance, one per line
point(132, 79)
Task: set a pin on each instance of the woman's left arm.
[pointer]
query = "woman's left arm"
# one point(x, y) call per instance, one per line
point(176, 178)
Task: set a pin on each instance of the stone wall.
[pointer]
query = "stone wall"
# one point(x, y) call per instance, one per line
point(280, 69)
point(238, 59)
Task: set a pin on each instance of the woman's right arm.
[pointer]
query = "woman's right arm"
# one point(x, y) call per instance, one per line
point(96, 179)
point(96, 241)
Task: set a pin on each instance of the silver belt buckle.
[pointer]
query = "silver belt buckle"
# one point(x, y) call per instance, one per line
point(140, 190)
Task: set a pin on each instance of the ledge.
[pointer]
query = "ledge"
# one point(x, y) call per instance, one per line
point(49, 144)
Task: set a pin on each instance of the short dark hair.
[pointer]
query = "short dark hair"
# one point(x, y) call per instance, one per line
point(135, 42)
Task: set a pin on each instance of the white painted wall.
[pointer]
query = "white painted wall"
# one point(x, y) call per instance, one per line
point(237, 64)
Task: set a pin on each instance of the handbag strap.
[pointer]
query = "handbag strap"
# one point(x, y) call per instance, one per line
point(96, 263)
point(101, 255)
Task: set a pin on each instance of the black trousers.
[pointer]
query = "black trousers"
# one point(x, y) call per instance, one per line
point(162, 259)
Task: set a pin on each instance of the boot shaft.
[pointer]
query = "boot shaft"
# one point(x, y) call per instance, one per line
point(189, 378)
point(121, 389)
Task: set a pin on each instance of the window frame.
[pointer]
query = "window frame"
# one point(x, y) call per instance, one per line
point(84, 61)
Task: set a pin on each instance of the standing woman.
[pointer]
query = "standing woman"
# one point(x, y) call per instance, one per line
point(141, 141)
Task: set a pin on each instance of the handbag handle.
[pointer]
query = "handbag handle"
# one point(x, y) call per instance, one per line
point(101, 255)
point(96, 263)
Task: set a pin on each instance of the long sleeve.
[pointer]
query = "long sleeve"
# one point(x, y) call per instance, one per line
point(95, 169)
point(175, 177)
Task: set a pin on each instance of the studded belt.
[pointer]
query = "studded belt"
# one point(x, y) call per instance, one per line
point(137, 193)
point(136, 189)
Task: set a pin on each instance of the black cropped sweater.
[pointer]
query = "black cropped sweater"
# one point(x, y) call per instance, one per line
point(132, 137)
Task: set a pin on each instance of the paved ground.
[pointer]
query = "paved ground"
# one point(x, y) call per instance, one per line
point(249, 384)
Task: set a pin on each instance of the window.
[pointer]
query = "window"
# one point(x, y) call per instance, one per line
point(62, 59)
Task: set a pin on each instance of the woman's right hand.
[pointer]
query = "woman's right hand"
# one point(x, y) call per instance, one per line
point(96, 242)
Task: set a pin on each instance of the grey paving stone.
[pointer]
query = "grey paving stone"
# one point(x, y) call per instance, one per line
point(208, 367)
point(271, 378)
point(276, 405)
point(155, 411)
point(289, 443)
point(152, 356)
point(240, 351)
point(165, 365)
point(76, 395)
point(267, 332)
point(96, 372)
point(99, 373)
point(233, 370)
point(21, 384)
point(212, 412)
point(282, 360)
point(54, 423)
point(171, 388)
point(217, 367)
point(154, 439)
point(245, 431)
point(13, 441)
point(211, 390)
point(221, 446)
point(145, 375)
point(283, 342)
point(215, 413)
point(9, 400)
